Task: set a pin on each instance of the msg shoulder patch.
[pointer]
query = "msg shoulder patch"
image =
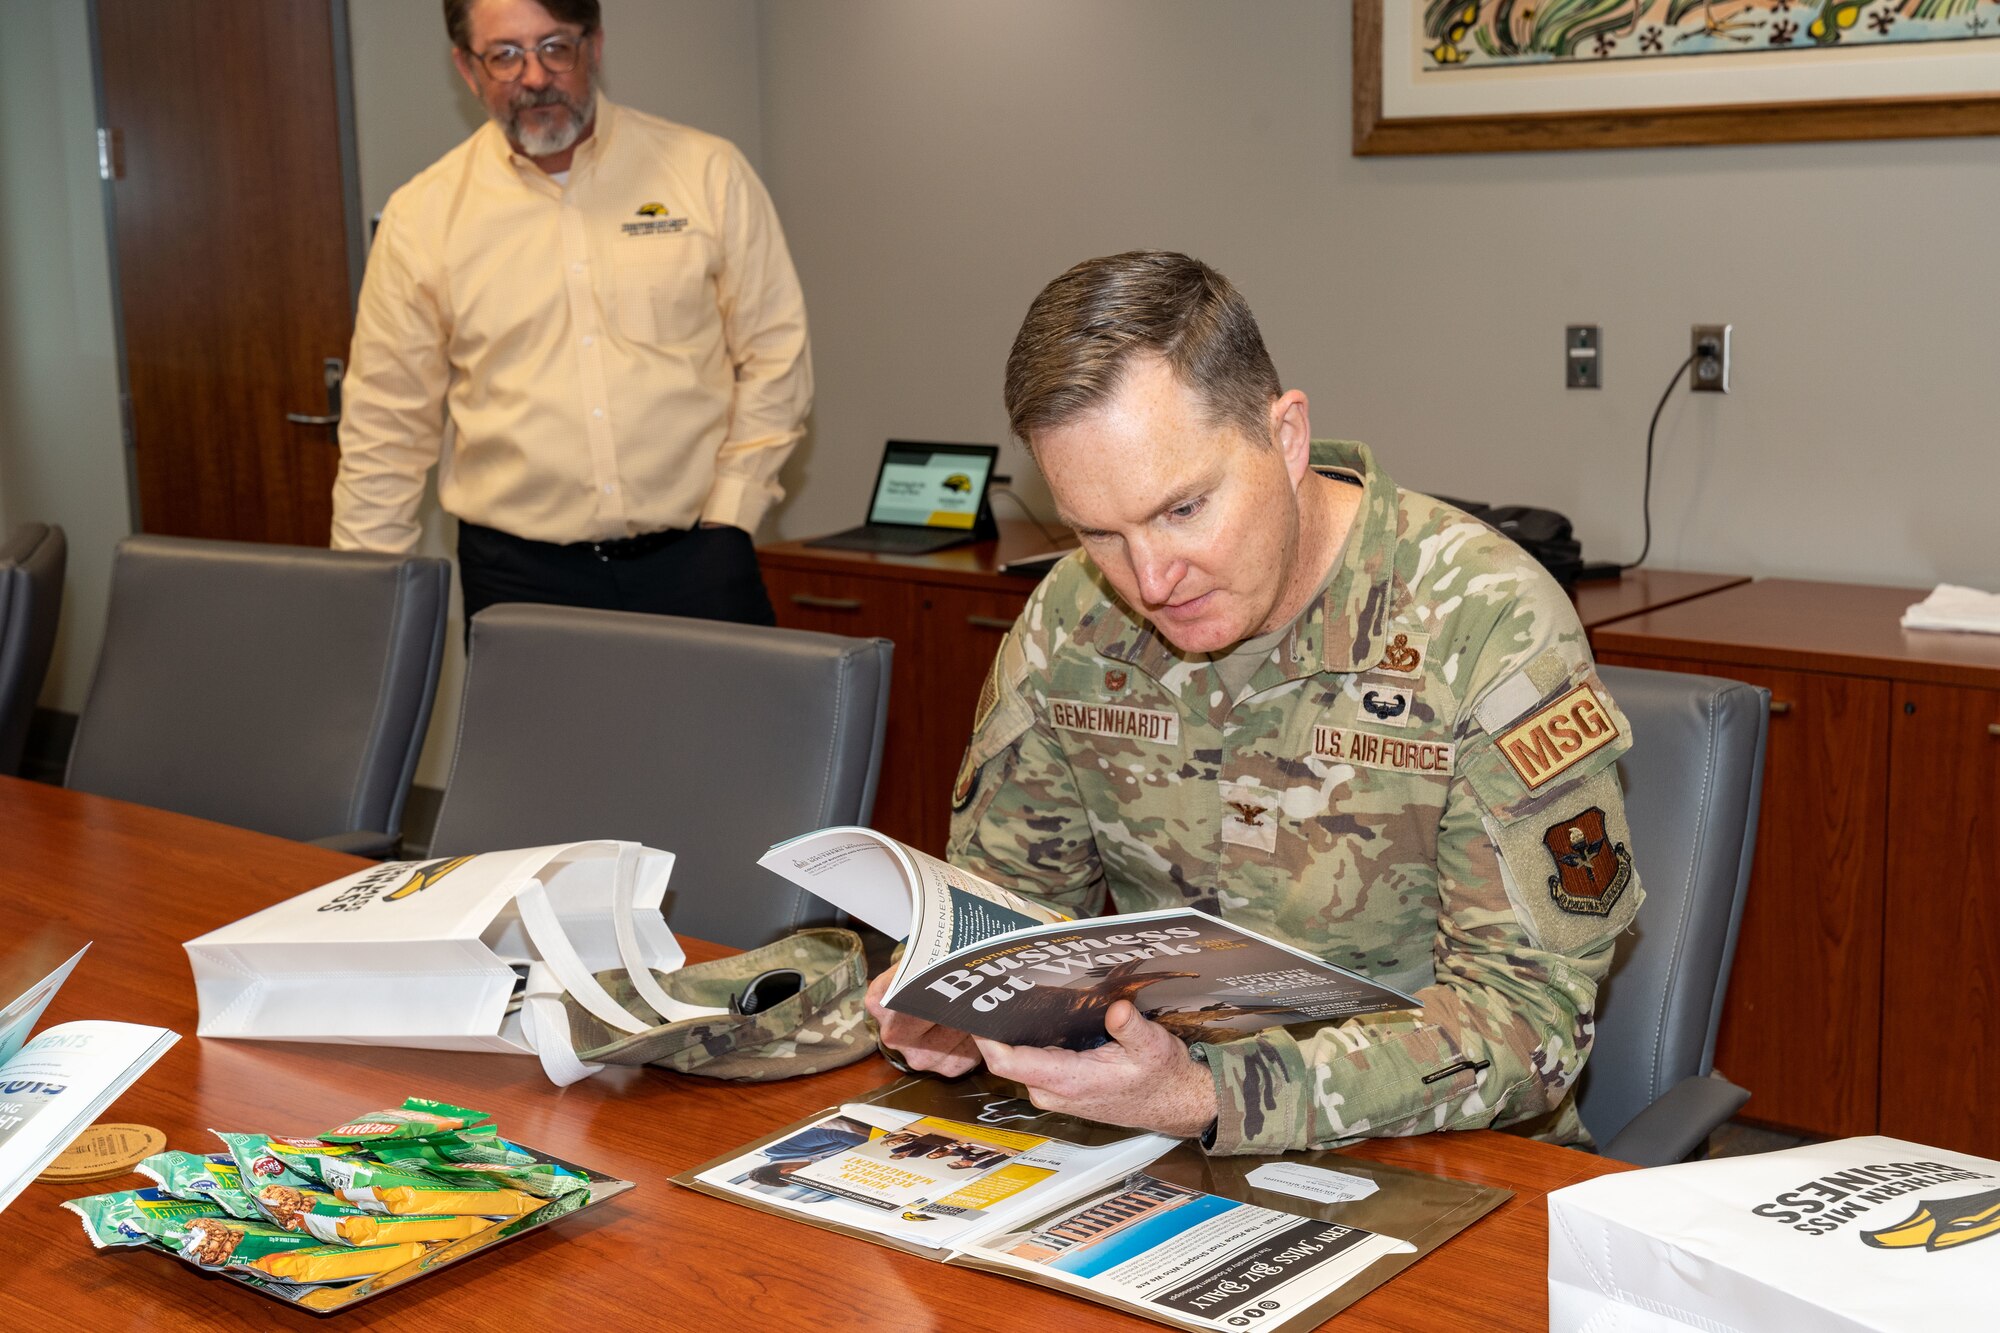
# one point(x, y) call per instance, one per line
point(1557, 737)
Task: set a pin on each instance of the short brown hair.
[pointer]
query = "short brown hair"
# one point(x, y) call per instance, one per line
point(586, 14)
point(1084, 329)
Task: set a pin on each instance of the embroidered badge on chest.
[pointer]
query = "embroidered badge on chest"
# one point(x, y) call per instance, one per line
point(655, 219)
point(1388, 705)
point(1132, 724)
point(1404, 656)
point(1114, 681)
point(1559, 737)
point(1591, 870)
point(1249, 815)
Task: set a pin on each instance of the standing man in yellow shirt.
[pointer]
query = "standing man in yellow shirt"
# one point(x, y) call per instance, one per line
point(586, 318)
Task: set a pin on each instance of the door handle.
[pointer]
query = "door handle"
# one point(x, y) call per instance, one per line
point(989, 622)
point(807, 599)
point(335, 368)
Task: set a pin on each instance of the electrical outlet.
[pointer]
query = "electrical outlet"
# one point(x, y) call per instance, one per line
point(1583, 357)
point(1710, 371)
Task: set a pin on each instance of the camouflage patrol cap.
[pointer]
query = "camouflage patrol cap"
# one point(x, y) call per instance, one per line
point(821, 1027)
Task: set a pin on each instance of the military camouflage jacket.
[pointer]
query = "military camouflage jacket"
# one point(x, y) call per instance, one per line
point(1418, 784)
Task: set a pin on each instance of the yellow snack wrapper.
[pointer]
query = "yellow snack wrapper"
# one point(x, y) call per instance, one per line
point(335, 1263)
point(407, 1199)
point(369, 1229)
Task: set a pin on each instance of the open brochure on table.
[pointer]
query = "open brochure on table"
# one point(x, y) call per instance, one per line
point(970, 1173)
point(53, 1085)
point(981, 959)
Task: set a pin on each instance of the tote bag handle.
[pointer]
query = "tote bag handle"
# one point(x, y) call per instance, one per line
point(544, 1020)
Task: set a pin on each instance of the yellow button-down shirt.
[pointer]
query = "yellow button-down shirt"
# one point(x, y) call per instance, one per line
point(617, 354)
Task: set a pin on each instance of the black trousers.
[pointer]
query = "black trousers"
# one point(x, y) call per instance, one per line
point(709, 573)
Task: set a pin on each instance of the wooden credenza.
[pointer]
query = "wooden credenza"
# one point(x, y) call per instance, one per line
point(1868, 970)
point(945, 613)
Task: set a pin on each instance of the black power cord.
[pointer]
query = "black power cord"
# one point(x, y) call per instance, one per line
point(996, 487)
point(1646, 502)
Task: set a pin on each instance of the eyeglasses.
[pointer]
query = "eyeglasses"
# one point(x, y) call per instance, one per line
point(506, 62)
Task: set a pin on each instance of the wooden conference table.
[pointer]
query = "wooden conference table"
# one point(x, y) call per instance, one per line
point(138, 882)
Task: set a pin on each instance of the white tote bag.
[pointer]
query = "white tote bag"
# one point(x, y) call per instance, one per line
point(469, 953)
point(1864, 1235)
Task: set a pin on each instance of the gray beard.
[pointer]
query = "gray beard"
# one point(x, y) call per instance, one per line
point(556, 138)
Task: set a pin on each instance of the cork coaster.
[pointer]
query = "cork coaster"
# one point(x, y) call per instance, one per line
point(103, 1151)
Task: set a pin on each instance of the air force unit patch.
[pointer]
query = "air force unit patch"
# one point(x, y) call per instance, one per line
point(1591, 870)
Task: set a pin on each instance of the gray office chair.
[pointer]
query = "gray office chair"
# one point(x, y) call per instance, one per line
point(1692, 779)
point(712, 741)
point(279, 688)
point(31, 589)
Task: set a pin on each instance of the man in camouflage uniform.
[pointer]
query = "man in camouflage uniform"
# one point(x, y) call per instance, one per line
point(1340, 713)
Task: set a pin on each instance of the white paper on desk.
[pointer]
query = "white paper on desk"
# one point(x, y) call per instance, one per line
point(1863, 1235)
point(1952, 607)
point(18, 1019)
point(54, 1088)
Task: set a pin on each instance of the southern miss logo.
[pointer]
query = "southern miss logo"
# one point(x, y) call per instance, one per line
point(1823, 1206)
point(423, 876)
point(387, 883)
point(655, 219)
point(1941, 1224)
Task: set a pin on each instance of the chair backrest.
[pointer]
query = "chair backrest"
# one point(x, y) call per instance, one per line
point(31, 589)
point(709, 740)
point(1692, 779)
point(279, 688)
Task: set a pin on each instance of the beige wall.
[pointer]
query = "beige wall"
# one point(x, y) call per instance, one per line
point(61, 452)
point(938, 160)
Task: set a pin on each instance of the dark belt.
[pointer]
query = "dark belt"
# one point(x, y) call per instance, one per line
point(630, 548)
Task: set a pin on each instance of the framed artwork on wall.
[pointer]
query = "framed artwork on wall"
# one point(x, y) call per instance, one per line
point(1468, 76)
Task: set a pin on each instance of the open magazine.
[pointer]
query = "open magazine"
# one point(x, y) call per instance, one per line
point(971, 1174)
point(993, 963)
point(54, 1084)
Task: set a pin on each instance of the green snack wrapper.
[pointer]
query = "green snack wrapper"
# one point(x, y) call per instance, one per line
point(489, 1158)
point(135, 1217)
point(406, 1189)
point(416, 1118)
point(265, 1159)
point(190, 1175)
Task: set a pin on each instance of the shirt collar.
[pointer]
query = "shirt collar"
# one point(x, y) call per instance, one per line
point(1339, 630)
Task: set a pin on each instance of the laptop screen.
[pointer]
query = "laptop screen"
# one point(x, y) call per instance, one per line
point(932, 485)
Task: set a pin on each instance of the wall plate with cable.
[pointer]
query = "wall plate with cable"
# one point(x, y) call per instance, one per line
point(1709, 372)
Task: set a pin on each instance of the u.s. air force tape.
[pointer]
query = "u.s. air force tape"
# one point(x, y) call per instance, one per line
point(1365, 749)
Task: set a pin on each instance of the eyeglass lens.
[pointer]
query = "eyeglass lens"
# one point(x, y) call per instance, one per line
point(507, 63)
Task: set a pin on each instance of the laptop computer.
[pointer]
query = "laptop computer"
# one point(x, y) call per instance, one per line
point(928, 497)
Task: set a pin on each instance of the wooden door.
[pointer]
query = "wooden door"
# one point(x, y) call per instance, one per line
point(1801, 1027)
point(1941, 921)
point(230, 241)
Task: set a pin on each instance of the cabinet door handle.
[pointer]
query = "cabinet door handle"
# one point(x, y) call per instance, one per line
point(826, 603)
point(1780, 707)
point(1993, 728)
point(989, 622)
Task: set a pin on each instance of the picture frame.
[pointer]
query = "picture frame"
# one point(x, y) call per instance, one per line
point(1763, 113)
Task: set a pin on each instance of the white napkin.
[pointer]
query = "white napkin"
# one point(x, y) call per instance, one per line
point(1952, 607)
